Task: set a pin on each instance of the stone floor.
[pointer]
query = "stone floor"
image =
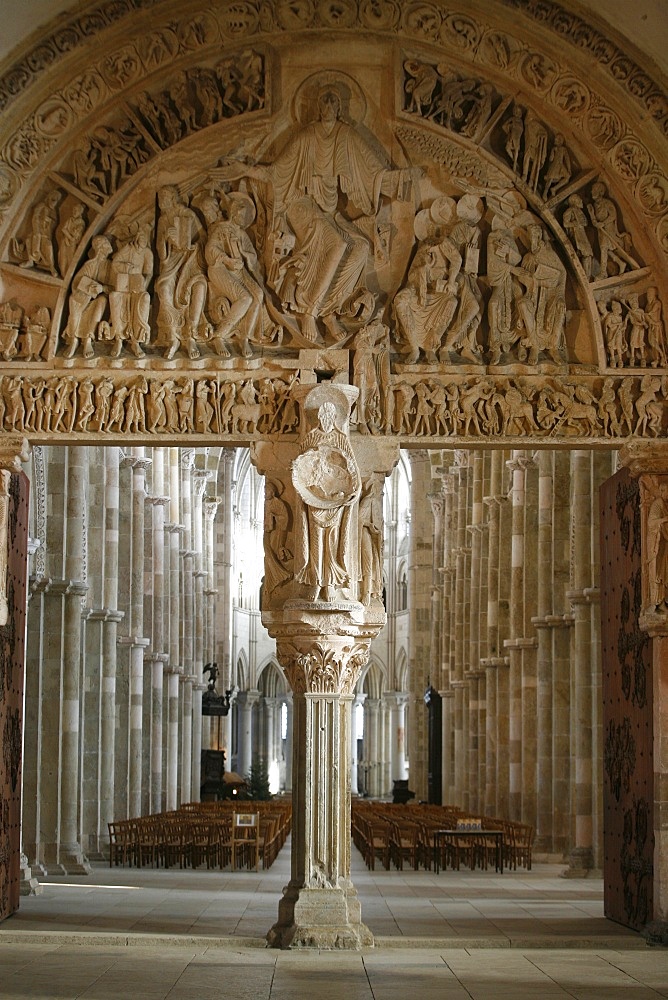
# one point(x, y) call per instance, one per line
point(154, 934)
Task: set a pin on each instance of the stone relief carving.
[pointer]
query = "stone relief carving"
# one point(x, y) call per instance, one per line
point(371, 540)
point(654, 492)
point(321, 250)
point(480, 406)
point(634, 333)
point(39, 248)
point(105, 159)
point(277, 555)
point(203, 96)
point(326, 477)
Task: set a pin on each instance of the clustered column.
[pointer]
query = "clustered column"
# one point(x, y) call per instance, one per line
point(131, 601)
point(515, 545)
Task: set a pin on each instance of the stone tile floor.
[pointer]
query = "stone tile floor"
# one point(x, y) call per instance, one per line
point(172, 935)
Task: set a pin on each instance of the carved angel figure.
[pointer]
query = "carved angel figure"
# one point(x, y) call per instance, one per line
point(326, 477)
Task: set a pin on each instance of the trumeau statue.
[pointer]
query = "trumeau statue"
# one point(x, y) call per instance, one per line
point(327, 479)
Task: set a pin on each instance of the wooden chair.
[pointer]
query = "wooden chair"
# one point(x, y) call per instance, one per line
point(404, 843)
point(377, 842)
point(246, 840)
point(119, 842)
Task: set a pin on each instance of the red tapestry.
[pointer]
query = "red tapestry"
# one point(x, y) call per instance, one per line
point(12, 654)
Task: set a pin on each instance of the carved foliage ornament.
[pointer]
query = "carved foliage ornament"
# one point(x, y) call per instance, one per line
point(322, 668)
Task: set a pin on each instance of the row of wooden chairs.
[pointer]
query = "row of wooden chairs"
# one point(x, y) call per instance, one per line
point(191, 838)
point(404, 834)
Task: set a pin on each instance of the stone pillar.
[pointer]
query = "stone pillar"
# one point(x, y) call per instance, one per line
point(289, 741)
point(110, 617)
point(223, 606)
point(323, 618)
point(419, 630)
point(543, 622)
point(196, 779)
point(186, 683)
point(136, 640)
point(171, 797)
point(461, 651)
point(561, 659)
point(246, 700)
point(210, 505)
point(158, 656)
point(70, 856)
point(354, 784)
point(581, 856)
point(370, 763)
point(492, 660)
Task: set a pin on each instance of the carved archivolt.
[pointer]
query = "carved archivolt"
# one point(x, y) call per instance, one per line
point(231, 227)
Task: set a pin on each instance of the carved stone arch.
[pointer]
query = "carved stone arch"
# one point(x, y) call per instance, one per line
point(374, 679)
point(401, 670)
point(434, 125)
point(242, 671)
point(271, 679)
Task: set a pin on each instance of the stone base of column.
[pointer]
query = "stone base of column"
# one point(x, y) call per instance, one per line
point(656, 932)
point(581, 864)
point(71, 861)
point(28, 886)
point(320, 918)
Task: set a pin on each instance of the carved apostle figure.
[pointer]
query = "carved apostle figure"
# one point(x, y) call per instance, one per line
point(236, 287)
point(88, 299)
point(542, 308)
point(327, 479)
point(426, 305)
point(371, 541)
point(277, 556)
point(39, 249)
point(181, 285)
point(130, 302)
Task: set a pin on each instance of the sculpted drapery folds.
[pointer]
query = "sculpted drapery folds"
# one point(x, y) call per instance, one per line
point(327, 479)
point(325, 191)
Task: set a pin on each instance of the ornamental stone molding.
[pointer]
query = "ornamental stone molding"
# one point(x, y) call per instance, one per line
point(484, 259)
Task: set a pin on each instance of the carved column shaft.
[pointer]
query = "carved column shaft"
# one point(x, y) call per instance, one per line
point(109, 639)
point(581, 520)
point(69, 849)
